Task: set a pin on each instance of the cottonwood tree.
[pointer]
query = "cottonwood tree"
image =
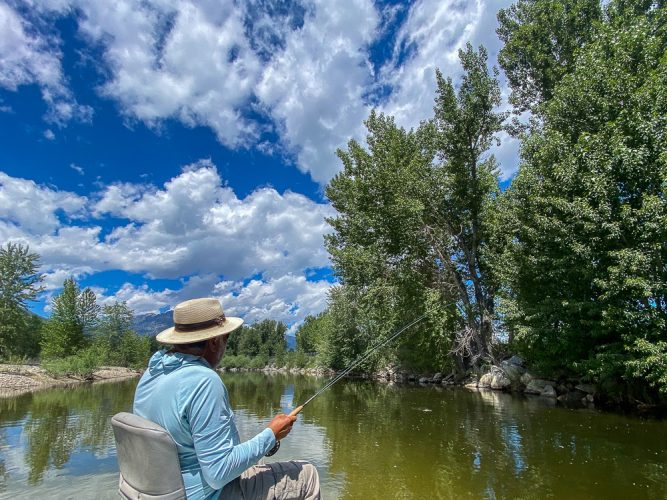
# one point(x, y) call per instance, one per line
point(413, 225)
point(587, 267)
point(540, 42)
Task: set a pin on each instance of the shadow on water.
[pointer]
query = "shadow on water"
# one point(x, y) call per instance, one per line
point(367, 440)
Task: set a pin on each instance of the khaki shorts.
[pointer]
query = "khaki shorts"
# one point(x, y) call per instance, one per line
point(294, 480)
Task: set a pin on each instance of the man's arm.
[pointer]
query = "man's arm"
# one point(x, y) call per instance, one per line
point(209, 416)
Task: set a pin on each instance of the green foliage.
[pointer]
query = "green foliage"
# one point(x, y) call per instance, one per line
point(115, 321)
point(541, 39)
point(75, 313)
point(235, 361)
point(312, 332)
point(299, 359)
point(19, 284)
point(650, 363)
point(121, 345)
point(413, 228)
point(585, 275)
point(256, 346)
point(82, 364)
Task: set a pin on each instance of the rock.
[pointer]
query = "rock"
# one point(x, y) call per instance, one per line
point(516, 361)
point(424, 380)
point(495, 379)
point(537, 385)
point(411, 377)
point(471, 384)
point(513, 372)
point(485, 380)
point(590, 398)
point(587, 388)
point(526, 378)
point(500, 382)
point(437, 378)
point(548, 392)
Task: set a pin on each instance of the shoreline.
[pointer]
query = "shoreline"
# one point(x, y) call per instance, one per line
point(565, 393)
point(16, 380)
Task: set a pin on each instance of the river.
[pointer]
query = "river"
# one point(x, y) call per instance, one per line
point(368, 441)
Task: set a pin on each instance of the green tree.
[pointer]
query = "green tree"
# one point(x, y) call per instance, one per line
point(541, 39)
point(19, 284)
point(413, 229)
point(310, 333)
point(116, 319)
point(75, 314)
point(586, 273)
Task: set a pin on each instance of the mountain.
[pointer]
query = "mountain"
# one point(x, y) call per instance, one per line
point(152, 324)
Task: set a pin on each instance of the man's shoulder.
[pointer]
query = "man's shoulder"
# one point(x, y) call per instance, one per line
point(201, 375)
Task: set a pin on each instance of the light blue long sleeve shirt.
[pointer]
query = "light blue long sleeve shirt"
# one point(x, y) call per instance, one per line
point(184, 395)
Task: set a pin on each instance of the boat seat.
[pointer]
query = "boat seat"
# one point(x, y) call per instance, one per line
point(148, 460)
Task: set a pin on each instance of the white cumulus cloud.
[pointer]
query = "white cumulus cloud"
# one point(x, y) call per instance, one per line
point(194, 228)
point(27, 58)
point(299, 69)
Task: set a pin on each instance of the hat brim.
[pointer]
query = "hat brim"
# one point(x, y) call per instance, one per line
point(171, 336)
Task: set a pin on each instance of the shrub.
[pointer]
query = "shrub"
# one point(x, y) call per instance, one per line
point(83, 363)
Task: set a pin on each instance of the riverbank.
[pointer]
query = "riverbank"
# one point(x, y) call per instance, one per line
point(509, 376)
point(21, 379)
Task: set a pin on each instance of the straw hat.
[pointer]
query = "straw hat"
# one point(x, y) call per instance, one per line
point(196, 320)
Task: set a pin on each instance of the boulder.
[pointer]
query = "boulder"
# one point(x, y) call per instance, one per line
point(437, 378)
point(537, 385)
point(424, 380)
point(526, 378)
point(548, 392)
point(516, 361)
point(496, 379)
point(471, 384)
point(513, 371)
point(500, 382)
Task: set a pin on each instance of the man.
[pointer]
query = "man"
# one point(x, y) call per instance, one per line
point(182, 392)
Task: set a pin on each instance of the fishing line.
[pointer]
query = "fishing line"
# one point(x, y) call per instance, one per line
point(347, 370)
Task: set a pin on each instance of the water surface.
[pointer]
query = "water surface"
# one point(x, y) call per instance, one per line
point(367, 440)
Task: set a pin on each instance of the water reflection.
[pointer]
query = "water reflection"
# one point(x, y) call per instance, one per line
point(367, 441)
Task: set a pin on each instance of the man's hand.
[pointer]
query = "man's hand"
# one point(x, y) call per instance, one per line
point(281, 425)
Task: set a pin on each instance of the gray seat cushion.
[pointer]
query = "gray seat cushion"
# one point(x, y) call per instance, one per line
point(147, 458)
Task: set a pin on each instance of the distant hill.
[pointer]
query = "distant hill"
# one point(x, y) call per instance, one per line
point(152, 324)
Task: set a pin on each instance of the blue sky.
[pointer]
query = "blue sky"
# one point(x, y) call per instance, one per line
point(159, 150)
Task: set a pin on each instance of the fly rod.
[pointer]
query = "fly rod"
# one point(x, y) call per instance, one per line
point(347, 370)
